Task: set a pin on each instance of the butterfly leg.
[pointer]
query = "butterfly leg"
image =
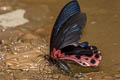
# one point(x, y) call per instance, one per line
point(63, 65)
point(50, 59)
point(59, 63)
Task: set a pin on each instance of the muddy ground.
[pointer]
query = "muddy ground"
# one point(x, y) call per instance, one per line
point(22, 49)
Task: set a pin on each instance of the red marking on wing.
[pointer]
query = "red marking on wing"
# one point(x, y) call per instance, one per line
point(57, 54)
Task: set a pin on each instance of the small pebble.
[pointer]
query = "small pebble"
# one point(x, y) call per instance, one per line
point(29, 36)
point(115, 44)
point(49, 76)
point(25, 70)
point(3, 41)
point(90, 78)
point(0, 41)
point(117, 75)
point(6, 8)
point(93, 22)
point(3, 30)
point(55, 76)
point(78, 75)
point(9, 64)
point(17, 65)
point(2, 57)
point(26, 56)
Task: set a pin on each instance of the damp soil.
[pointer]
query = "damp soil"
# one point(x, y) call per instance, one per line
point(22, 49)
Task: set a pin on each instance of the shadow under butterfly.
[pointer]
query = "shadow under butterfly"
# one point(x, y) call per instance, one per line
point(64, 42)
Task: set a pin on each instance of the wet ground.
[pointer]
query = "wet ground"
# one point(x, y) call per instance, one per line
point(22, 48)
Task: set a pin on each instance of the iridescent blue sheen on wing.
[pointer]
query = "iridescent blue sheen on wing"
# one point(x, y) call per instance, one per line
point(83, 44)
point(70, 31)
point(69, 10)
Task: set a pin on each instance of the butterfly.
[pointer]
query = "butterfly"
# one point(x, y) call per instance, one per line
point(65, 40)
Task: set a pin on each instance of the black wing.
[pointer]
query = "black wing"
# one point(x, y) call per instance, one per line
point(69, 9)
point(70, 31)
point(67, 28)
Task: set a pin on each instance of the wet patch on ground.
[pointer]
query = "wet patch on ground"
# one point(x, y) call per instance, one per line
point(22, 57)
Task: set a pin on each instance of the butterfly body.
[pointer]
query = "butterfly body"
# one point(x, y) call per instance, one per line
point(64, 42)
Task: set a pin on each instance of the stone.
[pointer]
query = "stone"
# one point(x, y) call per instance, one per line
point(55, 76)
point(29, 36)
point(13, 19)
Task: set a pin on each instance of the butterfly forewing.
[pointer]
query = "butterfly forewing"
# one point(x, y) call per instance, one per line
point(69, 10)
point(70, 31)
point(67, 28)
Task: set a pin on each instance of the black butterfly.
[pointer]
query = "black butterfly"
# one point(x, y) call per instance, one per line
point(64, 42)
